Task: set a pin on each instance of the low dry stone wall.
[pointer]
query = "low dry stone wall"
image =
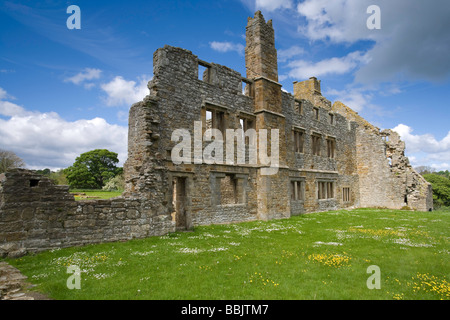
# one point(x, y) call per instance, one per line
point(36, 215)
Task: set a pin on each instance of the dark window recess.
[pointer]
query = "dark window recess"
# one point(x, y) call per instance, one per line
point(299, 140)
point(298, 107)
point(316, 113)
point(331, 147)
point(34, 183)
point(316, 144)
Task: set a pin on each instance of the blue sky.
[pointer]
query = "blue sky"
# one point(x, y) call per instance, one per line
point(64, 92)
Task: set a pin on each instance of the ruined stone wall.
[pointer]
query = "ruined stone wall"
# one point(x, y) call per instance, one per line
point(36, 215)
point(377, 184)
point(414, 189)
point(310, 90)
point(180, 97)
point(339, 168)
point(344, 161)
point(386, 178)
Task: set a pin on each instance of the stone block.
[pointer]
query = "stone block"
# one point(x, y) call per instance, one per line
point(71, 223)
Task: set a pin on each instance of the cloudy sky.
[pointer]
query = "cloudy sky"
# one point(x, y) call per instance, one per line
point(64, 92)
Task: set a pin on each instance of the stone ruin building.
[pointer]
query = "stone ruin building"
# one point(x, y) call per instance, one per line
point(329, 158)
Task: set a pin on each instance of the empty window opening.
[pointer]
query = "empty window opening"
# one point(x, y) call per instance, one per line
point(316, 113)
point(246, 87)
point(331, 118)
point(228, 190)
point(331, 147)
point(316, 144)
point(298, 107)
point(246, 123)
point(231, 190)
point(208, 119)
point(249, 139)
point(346, 194)
point(242, 125)
point(215, 119)
point(34, 183)
point(330, 190)
point(325, 190)
point(298, 140)
point(204, 71)
point(321, 190)
point(297, 190)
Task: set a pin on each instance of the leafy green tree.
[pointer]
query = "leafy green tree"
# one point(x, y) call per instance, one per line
point(115, 184)
point(59, 177)
point(441, 189)
point(93, 169)
point(445, 173)
point(45, 172)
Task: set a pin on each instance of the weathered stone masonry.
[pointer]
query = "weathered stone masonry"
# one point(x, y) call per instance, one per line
point(329, 158)
point(36, 215)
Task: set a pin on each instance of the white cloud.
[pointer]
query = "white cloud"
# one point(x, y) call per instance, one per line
point(285, 54)
point(441, 166)
point(122, 92)
point(227, 47)
point(89, 86)
point(338, 20)
point(422, 143)
point(10, 109)
point(355, 98)
point(301, 69)
point(86, 74)
point(271, 5)
point(46, 140)
point(425, 149)
point(413, 42)
point(3, 94)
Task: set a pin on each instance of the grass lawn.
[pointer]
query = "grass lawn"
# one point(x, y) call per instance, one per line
point(92, 194)
point(313, 256)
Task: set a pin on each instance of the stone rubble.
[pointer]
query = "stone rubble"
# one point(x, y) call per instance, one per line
point(13, 284)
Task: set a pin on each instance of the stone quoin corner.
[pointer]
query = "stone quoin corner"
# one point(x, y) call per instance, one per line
point(329, 158)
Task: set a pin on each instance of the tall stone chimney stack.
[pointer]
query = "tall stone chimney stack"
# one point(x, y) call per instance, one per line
point(262, 68)
point(260, 52)
point(261, 64)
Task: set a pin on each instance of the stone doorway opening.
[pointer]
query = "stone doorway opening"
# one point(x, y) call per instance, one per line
point(179, 202)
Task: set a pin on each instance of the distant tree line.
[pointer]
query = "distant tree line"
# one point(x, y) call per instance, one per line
point(58, 176)
point(440, 182)
point(96, 169)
